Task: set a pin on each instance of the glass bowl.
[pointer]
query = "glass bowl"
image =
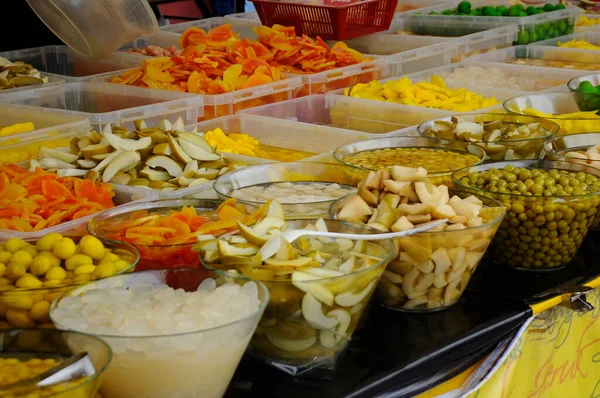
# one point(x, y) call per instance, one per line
point(26, 344)
point(28, 308)
point(405, 286)
point(588, 101)
point(538, 232)
point(508, 149)
point(284, 338)
point(193, 364)
point(550, 106)
point(438, 170)
point(295, 176)
point(156, 256)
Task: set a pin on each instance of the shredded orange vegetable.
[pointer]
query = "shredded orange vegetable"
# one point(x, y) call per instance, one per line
point(31, 201)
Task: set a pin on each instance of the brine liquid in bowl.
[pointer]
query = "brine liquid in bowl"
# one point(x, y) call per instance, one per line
point(300, 198)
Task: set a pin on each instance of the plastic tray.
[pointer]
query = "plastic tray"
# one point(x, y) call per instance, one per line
point(243, 26)
point(589, 36)
point(62, 62)
point(336, 22)
point(227, 104)
point(588, 28)
point(544, 53)
point(334, 79)
point(103, 103)
point(386, 114)
point(52, 81)
point(319, 112)
point(527, 25)
point(411, 6)
point(547, 79)
point(418, 59)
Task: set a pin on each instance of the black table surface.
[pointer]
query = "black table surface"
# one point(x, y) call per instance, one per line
point(397, 354)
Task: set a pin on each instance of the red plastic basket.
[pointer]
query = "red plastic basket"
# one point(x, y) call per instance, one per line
point(329, 21)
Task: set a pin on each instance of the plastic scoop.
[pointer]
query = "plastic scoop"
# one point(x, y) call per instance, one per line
point(270, 248)
point(76, 366)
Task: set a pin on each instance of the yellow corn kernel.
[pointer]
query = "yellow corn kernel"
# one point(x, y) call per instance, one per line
point(39, 311)
point(19, 319)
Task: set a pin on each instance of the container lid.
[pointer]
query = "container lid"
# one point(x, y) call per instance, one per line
point(94, 28)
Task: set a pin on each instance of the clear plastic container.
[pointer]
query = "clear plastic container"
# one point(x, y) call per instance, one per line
point(334, 79)
point(218, 105)
point(590, 37)
point(398, 114)
point(199, 363)
point(315, 114)
point(295, 173)
point(514, 77)
point(105, 103)
point(47, 124)
point(411, 6)
point(544, 56)
point(531, 28)
point(591, 28)
point(96, 28)
point(238, 25)
point(48, 343)
point(471, 38)
point(63, 63)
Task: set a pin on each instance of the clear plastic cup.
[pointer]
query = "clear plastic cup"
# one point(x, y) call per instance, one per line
point(95, 28)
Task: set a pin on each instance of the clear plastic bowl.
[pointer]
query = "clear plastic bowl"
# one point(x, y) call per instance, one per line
point(539, 233)
point(285, 339)
point(28, 308)
point(404, 287)
point(194, 364)
point(298, 173)
point(527, 148)
point(25, 344)
point(95, 28)
point(556, 104)
point(153, 256)
point(462, 148)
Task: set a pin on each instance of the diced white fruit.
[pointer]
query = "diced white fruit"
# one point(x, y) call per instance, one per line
point(290, 345)
point(355, 207)
point(464, 208)
point(457, 256)
point(267, 223)
point(439, 281)
point(392, 277)
point(425, 267)
point(71, 172)
point(423, 193)
point(443, 211)
point(302, 280)
point(474, 200)
point(473, 258)
point(320, 225)
point(348, 299)
point(324, 272)
point(442, 261)
point(402, 224)
point(347, 266)
point(444, 194)
point(396, 186)
point(401, 173)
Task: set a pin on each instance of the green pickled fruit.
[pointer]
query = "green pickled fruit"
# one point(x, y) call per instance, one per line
point(548, 7)
point(513, 11)
point(501, 11)
point(559, 7)
point(587, 87)
point(531, 10)
point(523, 37)
point(533, 37)
point(464, 7)
point(489, 11)
point(447, 12)
point(562, 26)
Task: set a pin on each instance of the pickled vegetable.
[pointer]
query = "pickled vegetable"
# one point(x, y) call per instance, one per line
point(502, 137)
point(244, 144)
point(434, 160)
point(319, 287)
point(13, 370)
point(570, 123)
point(163, 157)
point(581, 44)
point(166, 236)
point(432, 269)
point(556, 63)
point(16, 128)
point(33, 274)
point(19, 74)
point(585, 21)
point(549, 212)
point(434, 94)
point(34, 200)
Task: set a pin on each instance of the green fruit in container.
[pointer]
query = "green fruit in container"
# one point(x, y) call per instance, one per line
point(559, 7)
point(533, 37)
point(562, 26)
point(523, 37)
point(489, 11)
point(539, 30)
point(501, 11)
point(464, 7)
point(531, 10)
point(548, 7)
point(513, 11)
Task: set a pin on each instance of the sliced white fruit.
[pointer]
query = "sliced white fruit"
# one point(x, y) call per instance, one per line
point(324, 272)
point(86, 164)
point(306, 282)
point(267, 223)
point(297, 262)
point(71, 172)
point(104, 163)
point(178, 125)
point(52, 163)
point(127, 144)
point(229, 250)
point(164, 125)
point(348, 299)
point(312, 310)
point(347, 266)
point(290, 345)
point(195, 152)
point(122, 162)
point(163, 162)
point(53, 153)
